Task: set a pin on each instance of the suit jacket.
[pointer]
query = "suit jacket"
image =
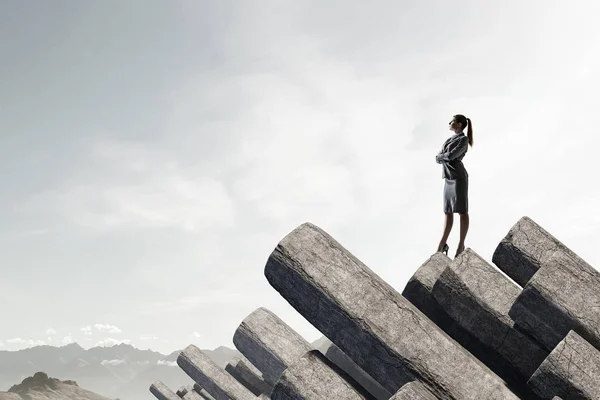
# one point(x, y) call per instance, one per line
point(451, 155)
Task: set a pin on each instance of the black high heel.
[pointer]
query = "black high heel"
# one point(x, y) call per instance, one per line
point(445, 249)
point(458, 251)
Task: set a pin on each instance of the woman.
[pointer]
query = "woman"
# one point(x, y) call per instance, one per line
point(456, 185)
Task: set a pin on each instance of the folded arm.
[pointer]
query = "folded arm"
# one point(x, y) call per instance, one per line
point(455, 151)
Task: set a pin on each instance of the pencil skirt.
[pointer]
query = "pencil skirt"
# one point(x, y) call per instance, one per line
point(456, 195)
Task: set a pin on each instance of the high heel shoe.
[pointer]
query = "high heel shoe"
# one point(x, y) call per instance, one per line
point(445, 249)
point(458, 251)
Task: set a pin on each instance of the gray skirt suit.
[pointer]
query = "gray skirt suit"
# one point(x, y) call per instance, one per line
point(456, 185)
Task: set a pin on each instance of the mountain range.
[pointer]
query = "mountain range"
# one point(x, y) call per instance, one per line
point(120, 371)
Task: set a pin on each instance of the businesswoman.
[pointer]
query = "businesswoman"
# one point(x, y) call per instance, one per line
point(456, 185)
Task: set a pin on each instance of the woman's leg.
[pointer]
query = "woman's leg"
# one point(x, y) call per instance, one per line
point(464, 228)
point(447, 228)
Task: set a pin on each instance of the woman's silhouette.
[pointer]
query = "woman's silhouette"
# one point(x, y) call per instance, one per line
point(456, 185)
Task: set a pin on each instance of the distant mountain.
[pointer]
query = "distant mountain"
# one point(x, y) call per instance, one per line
point(41, 387)
point(117, 371)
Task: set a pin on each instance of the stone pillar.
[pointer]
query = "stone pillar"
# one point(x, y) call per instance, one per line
point(313, 377)
point(162, 392)
point(525, 249)
point(269, 343)
point(204, 371)
point(563, 295)
point(202, 392)
point(345, 363)
point(193, 395)
point(243, 370)
point(572, 371)
point(181, 391)
point(413, 391)
point(478, 297)
point(368, 320)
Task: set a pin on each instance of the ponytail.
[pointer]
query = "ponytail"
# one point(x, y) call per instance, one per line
point(470, 131)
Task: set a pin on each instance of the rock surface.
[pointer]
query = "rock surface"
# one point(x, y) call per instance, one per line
point(372, 323)
point(571, 371)
point(203, 370)
point(313, 377)
point(413, 391)
point(269, 343)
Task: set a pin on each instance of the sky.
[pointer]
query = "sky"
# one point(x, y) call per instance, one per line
point(154, 153)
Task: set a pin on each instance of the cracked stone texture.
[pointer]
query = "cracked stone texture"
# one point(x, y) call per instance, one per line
point(419, 292)
point(269, 343)
point(192, 395)
point(248, 375)
point(413, 391)
point(202, 392)
point(526, 248)
point(345, 363)
point(371, 322)
point(204, 371)
point(162, 391)
point(181, 391)
point(564, 294)
point(478, 297)
point(313, 377)
point(571, 371)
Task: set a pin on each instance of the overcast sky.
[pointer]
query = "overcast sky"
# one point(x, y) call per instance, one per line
point(153, 153)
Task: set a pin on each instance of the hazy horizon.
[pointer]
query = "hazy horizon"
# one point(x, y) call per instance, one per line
point(156, 152)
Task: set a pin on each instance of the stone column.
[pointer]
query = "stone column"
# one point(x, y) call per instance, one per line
point(413, 391)
point(203, 370)
point(313, 377)
point(478, 297)
point(269, 343)
point(572, 371)
point(243, 370)
point(162, 392)
point(368, 320)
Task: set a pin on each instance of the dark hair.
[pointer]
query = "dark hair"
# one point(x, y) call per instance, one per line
point(466, 122)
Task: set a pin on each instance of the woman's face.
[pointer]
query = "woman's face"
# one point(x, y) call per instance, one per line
point(454, 126)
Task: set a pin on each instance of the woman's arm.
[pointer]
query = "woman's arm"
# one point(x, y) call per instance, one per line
point(459, 148)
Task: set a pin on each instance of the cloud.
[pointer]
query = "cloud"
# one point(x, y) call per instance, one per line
point(167, 363)
point(148, 189)
point(112, 362)
point(149, 338)
point(50, 331)
point(87, 330)
point(1, 344)
point(29, 342)
point(197, 335)
point(109, 342)
point(107, 328)
point(67, 340)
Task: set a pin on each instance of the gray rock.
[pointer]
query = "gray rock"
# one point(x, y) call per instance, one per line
point(563, 295)
point(478, 298)
point(313, 377)
point(345, 363)
point(368, 320)
point(162, 392)
point(247, 374)
point(269, 343)
point(181, 391)
point(572, 371)
point(413, 391)
point(525, 248)
point(202, 392)
point(419, 292)
point(193, 395)
point(204, 371)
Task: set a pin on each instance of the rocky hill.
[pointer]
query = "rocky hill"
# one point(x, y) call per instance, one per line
point(41, 387)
